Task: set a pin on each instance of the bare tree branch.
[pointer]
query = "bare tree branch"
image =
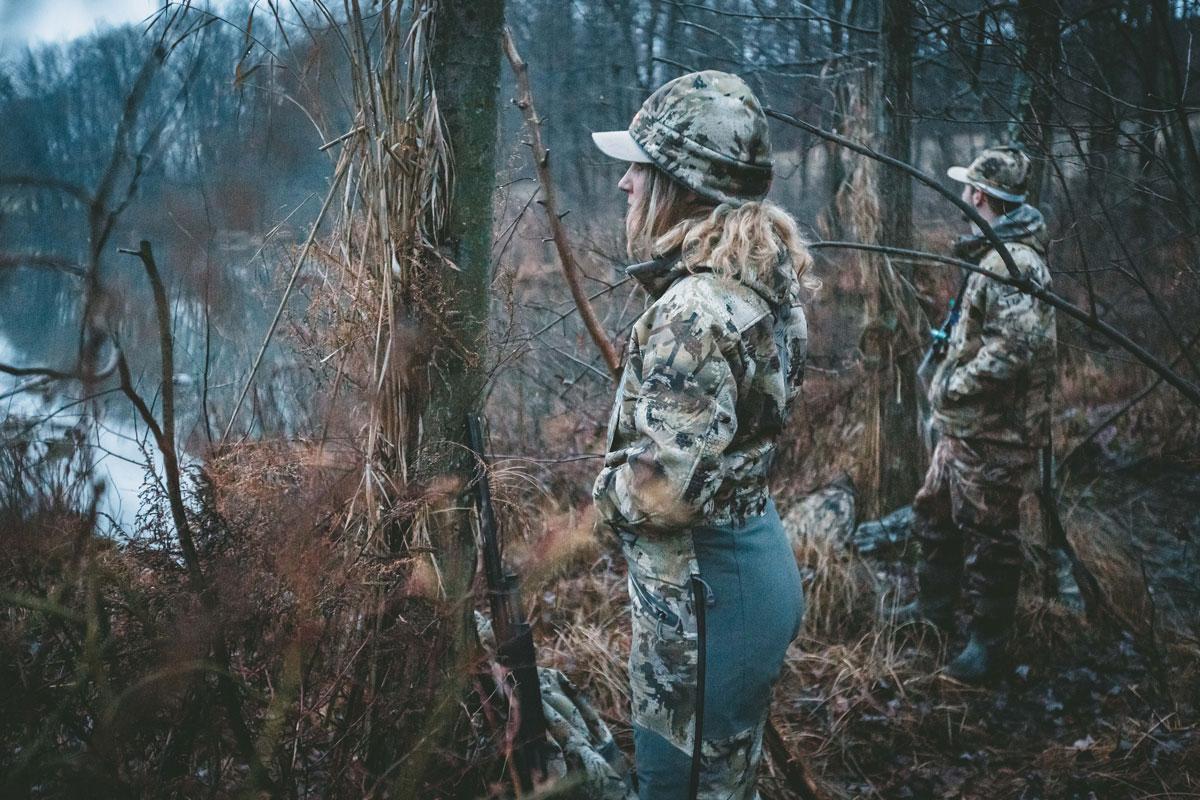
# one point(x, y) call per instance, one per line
point(813, 17)
point(541, 158)
point(164, 437)
point(30, 182)
point(1188, 389)
point(287, 291)
point(59, 263)
point(1122, 411)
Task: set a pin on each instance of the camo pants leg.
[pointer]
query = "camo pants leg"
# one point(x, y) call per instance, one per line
point(754, 612)
point(941, 569)
point(989, 479)
point(971, 498)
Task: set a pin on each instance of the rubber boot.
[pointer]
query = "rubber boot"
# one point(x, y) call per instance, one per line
point(940, 614)
point(977, 663)
point(937, 597)
point(983, 657)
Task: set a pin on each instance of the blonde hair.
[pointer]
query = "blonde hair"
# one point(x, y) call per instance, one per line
point(663, 203)
point(741, 242)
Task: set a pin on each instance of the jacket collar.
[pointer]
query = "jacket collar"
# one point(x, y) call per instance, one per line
point(1024, 225)
point(657, 275)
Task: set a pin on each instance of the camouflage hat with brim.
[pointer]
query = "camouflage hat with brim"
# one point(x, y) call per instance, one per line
point(1002, 172)
point(706, 130)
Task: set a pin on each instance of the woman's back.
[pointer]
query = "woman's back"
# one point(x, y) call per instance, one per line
point(713, 364)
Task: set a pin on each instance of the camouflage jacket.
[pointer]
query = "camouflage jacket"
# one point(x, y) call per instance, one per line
point(998, 372)
point(712, 365)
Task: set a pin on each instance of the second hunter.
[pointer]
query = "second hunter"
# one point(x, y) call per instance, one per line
point(990, 398)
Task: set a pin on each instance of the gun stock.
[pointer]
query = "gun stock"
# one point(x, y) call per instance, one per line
point(514, 638)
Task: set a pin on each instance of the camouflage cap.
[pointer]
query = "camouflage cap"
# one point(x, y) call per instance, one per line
point(706, 130)
point(1002, 172)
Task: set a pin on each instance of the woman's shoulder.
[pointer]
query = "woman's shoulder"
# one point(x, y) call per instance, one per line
point(733, 306)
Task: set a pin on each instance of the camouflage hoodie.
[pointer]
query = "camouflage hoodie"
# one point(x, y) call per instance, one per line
point(998, 373)
point(712, 365)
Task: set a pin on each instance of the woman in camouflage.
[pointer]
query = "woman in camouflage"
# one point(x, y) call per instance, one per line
point(712, 367)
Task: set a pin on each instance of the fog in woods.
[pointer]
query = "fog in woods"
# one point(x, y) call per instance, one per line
point(246, 571)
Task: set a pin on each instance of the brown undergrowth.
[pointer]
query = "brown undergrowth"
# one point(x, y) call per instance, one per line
point(106, 650)
point(1083, 710)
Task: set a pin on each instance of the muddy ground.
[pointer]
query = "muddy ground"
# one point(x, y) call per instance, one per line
point(1085, 710)
point(1104, 709)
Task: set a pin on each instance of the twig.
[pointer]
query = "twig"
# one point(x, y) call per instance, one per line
point(17, 260)
point(567, 313)
point(164, 437)
point(287, 291)
point(1122, 411)
point(792, 766)
point(541, 159)
point(342, 138)
point(971, 213)
point(563, 460)
point(53, 374)
point(1188, 389)
point(813, 17)
point(31, 182)
point(166, 344)
point(1153, 650)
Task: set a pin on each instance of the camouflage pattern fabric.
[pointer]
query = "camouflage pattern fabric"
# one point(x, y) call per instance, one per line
point(708, 131)
point(729, 767)
point(1002, 172)
point(728, 771)
point(663, 652)
point(583, 760)
point(971, 497)
point(754, 610)
point(996, 378)
point(711, 368)
point(887, 534)
point(585, 763)
point(822, 515)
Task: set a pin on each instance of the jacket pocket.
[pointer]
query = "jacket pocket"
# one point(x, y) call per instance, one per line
point(940, 396)
point(662, 679)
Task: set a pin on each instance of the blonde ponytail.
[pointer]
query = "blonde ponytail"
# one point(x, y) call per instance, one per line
point(740, 241)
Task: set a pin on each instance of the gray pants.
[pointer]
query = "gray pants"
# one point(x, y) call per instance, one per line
point(756, 613)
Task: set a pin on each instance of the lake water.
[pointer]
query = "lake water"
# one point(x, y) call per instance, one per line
point(118, 455)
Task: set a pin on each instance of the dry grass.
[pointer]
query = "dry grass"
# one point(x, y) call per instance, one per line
point(863, 703)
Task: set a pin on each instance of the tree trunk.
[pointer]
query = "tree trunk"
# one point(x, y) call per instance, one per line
point(896, 111)
point(465, 64)
point(899, 464)
point(466, 69)
point(1184, 151)
point(1037, 57)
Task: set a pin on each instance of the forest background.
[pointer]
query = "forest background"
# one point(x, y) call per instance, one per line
point(235, 556)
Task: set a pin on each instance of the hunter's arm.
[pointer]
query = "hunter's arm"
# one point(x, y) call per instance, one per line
point(685, 417)
point(1013, 326)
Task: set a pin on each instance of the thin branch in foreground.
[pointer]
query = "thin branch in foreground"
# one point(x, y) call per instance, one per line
point(58, 263)
point(53, 184)
point(164, 437)
point(566, 257)
point(1185, 387)
point(1122, 411)
point(287, 291)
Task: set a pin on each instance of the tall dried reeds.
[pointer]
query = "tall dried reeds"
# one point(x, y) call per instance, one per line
point(380, 295)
